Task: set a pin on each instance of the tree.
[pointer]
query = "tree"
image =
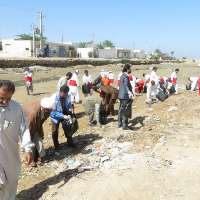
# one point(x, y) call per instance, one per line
point(158, 52)
point(108, 43)
point(85, 44)
point(82, 45)
point(172, 54)
point(100, 46)
point(25, 36)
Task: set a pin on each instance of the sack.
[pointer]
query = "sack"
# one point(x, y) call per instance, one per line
point(188, 86)
point(70, 126)
point(162, 95)
point(85, 89)
point(97, 83)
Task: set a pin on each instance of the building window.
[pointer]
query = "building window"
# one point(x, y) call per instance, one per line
point(1, 47)
point(27, 49)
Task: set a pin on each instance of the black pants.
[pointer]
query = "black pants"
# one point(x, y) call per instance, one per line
point(55, 128)
point(124, 112)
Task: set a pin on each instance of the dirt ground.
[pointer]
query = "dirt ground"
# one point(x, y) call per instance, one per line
point(158, 160)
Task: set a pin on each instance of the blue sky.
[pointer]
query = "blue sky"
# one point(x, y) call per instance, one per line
point(171, 25)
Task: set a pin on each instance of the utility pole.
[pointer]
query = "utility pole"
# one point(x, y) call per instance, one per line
point(62, 39)
point(33, 41)
point(93, 38)
point(62, 42)
point(41, 16)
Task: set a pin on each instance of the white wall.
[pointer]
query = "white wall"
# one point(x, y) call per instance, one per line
point(84, 52)
point(16, 48)
point(107, 53)
point(140, 54)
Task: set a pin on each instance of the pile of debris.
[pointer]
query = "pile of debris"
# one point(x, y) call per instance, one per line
point(104, 154)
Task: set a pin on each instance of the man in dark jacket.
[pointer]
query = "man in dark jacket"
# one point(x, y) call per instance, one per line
point(126, 98)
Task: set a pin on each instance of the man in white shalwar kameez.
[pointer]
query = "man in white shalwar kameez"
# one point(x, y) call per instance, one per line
point(13, 127)
point(194, 83)
point(152, 86)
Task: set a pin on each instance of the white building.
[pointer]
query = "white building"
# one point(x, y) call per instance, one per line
point(88, 52)
point(16, 48)
point(114, 53)
point(138, 54)
point(24, 48)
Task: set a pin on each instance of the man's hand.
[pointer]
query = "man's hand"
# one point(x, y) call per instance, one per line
point(130, 94)
point(28, 158)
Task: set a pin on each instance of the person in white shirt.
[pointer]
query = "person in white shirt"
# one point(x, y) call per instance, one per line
point(152, 86)
point(194, 83)
point(63, 81)
point(87, 83)
point(173, 81)
point(146, 77)
point(73, 85)
point(13, 127)
point(111, 77)
point(153, 76)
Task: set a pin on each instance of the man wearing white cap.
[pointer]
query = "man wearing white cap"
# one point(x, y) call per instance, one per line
point(37, 113)
point(73, 84)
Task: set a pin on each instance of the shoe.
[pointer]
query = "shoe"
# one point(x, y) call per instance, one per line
point(127, 129)
point(92, 125)
point(72, 145)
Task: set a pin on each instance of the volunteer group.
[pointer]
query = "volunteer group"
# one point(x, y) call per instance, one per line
point(100, 94)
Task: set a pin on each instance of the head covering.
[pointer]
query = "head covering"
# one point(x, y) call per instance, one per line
point(47, 102)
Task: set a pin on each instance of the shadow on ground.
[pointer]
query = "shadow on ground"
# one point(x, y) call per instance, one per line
point(64, 151)
point(136, 121)
point(40, 93)
point(39, 189)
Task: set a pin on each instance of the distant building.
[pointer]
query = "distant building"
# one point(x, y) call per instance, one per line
point(114, 53)
point(88, 52)
point(61, 50)
point(24, 48)
point(16, 48)
point(138, 54)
